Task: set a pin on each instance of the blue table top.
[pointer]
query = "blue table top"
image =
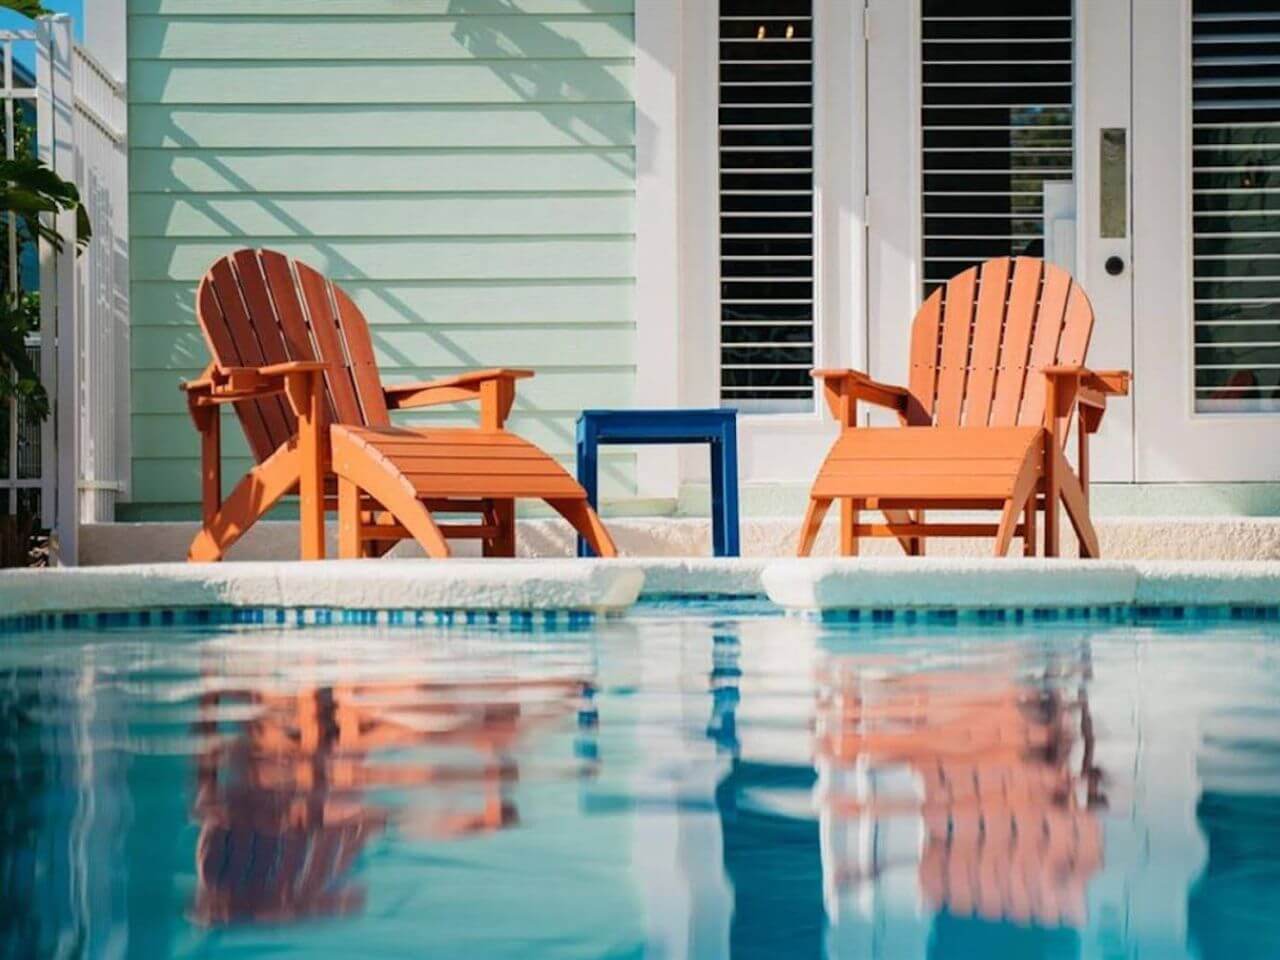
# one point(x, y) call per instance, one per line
point(658, 426)
point(664, 413)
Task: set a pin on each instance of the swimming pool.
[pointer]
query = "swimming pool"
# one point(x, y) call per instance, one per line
point(695, 780)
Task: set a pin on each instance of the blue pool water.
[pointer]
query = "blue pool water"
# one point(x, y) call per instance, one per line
point(698, 781)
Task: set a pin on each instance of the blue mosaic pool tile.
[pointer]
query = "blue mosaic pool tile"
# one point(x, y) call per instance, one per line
point(584, 619)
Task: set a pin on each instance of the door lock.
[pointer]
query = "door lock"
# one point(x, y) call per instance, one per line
point(1114, 266)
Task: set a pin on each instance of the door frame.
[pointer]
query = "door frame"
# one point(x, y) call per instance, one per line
point(895, 202)
point(1175, 442)
point(677, 235)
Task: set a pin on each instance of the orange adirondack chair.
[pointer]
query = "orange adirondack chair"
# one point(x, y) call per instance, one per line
point(996, 377)
point(292, 352)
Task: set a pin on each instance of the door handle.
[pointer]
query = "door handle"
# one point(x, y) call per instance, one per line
point(1113, 185)
point(1114, 266)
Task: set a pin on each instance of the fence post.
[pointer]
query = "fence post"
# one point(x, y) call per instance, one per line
point(60, 333)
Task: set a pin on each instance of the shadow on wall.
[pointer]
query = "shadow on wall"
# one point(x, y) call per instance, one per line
point(520, 60)
point(536, 77)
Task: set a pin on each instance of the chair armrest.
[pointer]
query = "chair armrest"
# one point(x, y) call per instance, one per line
point(1100, 382)
point(230, 384)
point(844, 388)
point(494, 388)
point(292, 366)
point(465, 386)
point(1071, 385)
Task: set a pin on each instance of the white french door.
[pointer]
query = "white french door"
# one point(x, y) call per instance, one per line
point(769, 188)
point(998, 128)
point(1137, 143)
point(1206, 103)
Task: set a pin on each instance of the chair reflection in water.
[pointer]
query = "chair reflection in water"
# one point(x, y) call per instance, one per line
point(281, 803)
point(994, 769)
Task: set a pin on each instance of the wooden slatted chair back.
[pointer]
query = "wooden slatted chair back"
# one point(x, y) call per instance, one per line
point(259, 307)
point(979, 341)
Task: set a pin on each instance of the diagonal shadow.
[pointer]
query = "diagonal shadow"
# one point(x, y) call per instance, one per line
point(544, 85)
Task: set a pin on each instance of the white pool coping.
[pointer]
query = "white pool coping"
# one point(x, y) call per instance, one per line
point(817, 585)
point(482, 585)
point(612, 586)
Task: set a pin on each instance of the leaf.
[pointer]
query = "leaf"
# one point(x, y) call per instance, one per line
point(28, 8)
point(29, 188)
point(18, 375)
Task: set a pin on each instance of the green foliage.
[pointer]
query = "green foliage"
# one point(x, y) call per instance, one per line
point(28, 8)
point(28, 189)
point(19, 377)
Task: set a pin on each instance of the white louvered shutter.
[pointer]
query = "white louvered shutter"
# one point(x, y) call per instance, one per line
point(766, 204)
point(1236, 199)
point(997, 126)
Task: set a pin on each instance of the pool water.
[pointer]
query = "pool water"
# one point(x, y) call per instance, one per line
point(698, 781)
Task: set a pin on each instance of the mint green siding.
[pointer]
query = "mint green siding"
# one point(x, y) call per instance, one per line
point(465, 168)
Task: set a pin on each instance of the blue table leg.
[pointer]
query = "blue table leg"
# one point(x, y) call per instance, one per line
point(717, 497)
point(724, 493)
point(588, 471)
point(727, 512)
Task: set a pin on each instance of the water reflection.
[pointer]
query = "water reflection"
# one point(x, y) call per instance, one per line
point(975, 792)
point(285, 803)
point(987, 764)
point(702, 787)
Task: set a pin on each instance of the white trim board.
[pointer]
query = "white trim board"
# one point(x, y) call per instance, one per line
point(677, 262)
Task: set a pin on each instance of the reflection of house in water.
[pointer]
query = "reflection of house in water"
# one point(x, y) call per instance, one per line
point(1231, 906)
point(976, 792)
point(772, 857)
point(284, 804)
point(63, 814)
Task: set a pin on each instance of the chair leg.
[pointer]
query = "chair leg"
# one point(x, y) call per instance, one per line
point(1029, 526)
point(848, 521)
point(917, 544)
point(252, 497)
point(349, 546)
point(813, 517)
point(1075, 500)
point(210, 421)
point(587, 522)
point(502, 513)
point(1008, 524)
point(1021, 498)
point(911, 546)
point(1051, 504)
point(385, 484)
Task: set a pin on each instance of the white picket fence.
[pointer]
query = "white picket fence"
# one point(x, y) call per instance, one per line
point(78, 461)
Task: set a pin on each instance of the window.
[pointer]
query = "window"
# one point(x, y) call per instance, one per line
point(766, 168)
point(997, 127)
point(1236, 204)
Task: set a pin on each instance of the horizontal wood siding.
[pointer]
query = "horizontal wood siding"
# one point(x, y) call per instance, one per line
point(465, 168)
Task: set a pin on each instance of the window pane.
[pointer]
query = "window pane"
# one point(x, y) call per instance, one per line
point(1236, 199)
point(766, 204)
point(997, 120)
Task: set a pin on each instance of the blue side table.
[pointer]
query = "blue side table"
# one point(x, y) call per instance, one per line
point(719, 428)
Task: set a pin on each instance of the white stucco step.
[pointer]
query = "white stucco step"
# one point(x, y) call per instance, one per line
point(572, 585)
point(1221, 538)
point(863, 583)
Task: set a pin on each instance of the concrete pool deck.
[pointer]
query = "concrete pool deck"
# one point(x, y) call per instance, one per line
point(989, 583)
point(1225, 538)
point(526, 585)
point(612, 586)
